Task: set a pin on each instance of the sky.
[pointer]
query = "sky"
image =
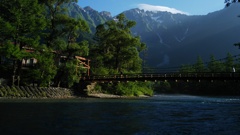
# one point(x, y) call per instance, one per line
point(189, 7)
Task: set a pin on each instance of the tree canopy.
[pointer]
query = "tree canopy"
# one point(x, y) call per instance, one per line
point(213, 65)
point(21, 24)
point(41, 30)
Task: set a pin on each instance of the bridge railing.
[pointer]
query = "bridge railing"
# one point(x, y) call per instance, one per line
point(164, 75)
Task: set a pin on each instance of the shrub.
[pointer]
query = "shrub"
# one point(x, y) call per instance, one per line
point(134, 89)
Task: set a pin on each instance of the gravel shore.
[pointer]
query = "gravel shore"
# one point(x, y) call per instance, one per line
point(102, 95)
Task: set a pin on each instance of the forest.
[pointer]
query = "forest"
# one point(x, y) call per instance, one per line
point(41, 45)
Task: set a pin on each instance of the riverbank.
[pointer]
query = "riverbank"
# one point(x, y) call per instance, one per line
point(51, 92)
point(102, 95)
point(35, 92)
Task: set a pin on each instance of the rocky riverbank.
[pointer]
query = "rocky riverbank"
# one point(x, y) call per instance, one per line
point(50, 92)
point(34, 92)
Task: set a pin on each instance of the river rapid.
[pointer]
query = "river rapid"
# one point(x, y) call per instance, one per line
point(157, 115)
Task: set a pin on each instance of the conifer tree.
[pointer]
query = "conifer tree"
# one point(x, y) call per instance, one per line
point(229, 63)
point(214, 65)
point(199, 66)
point(117, 49)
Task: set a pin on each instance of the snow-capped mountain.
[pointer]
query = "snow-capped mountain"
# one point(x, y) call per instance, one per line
point(176, 39)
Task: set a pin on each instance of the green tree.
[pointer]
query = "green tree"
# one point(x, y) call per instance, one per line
point(70, 70)
point(71, 48)
point(199, 66)
point(55, 17)
point(61, 36)
point(45, 69)
point(187, 68)
point(229, 63)
point(117, 49)
point(21, 24)
point(214, 65)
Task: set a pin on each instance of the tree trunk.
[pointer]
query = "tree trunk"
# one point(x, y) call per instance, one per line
point(117, 58)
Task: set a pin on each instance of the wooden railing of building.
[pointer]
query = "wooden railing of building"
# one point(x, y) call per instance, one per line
point(85, 62)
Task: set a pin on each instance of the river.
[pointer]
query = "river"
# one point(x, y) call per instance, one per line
point(158, 115)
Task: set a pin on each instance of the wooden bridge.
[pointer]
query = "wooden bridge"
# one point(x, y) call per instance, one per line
point(175, 76)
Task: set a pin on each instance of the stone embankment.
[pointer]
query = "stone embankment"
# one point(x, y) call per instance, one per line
point(54, 92)
point(34, 92)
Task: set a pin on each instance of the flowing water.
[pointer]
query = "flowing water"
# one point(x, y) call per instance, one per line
point(158, 115)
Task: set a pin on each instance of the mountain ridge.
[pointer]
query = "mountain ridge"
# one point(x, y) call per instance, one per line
point(176, 39)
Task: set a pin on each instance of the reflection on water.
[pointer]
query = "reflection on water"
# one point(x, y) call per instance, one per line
point(161, 114)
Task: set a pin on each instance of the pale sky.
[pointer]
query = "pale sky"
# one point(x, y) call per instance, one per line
point(190, 7)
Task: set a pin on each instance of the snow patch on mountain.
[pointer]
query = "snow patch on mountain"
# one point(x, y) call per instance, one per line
point(157, 19)
point(180, 39)
point(160, 38)
point(148, 7)
point(161, 41)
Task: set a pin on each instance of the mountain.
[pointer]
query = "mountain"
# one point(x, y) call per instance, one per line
point(176, 39)
point(93, 17)
point(161, 31)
